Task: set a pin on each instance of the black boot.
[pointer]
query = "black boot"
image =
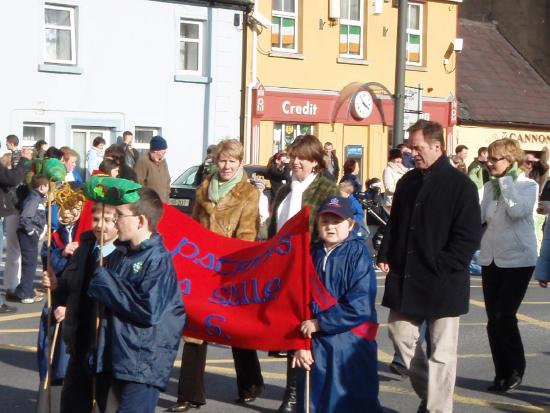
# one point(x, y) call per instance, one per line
point(289, 400)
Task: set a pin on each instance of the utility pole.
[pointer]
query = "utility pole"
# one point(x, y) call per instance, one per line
point(400, 58)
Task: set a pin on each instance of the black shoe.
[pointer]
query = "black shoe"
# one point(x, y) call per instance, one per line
point(513, 381)
point(423, 407)
point(498, 385)
point(184, 406)
point(10, 296)
point(6, 309)
point(244, 400)
point(289, 399)
point(287, 407)
point(399, 369)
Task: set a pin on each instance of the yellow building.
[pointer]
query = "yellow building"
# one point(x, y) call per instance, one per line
point(308, 59)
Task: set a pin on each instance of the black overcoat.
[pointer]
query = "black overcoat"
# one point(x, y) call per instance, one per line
point(433, 231)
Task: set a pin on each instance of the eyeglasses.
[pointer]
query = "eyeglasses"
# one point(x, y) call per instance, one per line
point(117, 216)
point(492, 159)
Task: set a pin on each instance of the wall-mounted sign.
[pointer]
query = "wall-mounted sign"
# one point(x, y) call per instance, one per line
point(307, 109)
point(260, 100)
point(413, 99)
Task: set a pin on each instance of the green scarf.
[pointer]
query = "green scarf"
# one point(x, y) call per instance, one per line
point(217, 190)
point(514, 172)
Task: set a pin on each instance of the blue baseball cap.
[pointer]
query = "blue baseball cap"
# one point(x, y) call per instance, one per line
point(337, 205)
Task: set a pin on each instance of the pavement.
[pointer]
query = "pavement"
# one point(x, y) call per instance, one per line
point(19, 377)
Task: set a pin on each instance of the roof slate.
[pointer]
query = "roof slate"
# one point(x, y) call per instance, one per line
point(495, 84)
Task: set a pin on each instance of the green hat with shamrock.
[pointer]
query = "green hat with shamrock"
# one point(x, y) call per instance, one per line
point(111, 191)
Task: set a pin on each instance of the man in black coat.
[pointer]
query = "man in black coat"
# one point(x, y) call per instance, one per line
point(433, 231)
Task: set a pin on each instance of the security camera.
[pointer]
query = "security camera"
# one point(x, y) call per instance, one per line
point(458, 44)
point(260, 19)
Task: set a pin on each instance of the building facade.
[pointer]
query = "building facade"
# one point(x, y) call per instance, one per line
point(327, 67)
point(77, 69)
point(500, 94)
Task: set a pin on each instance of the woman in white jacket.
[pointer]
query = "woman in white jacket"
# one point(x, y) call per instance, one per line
point(392, 173)
point(508, 256)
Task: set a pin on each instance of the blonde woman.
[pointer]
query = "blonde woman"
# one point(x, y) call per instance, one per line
point(227, 204)
point(508, 256)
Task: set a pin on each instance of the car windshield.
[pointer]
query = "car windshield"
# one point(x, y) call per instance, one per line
point(188, 177)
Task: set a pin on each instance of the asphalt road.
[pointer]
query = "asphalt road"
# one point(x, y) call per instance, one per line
point(19, 377)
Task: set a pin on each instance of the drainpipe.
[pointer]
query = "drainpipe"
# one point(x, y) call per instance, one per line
point(250, 150)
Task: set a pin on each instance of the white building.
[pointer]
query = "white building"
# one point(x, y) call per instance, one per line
point(76, 69)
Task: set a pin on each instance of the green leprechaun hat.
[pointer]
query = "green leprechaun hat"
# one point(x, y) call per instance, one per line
point(111, 191)
point(54, 170)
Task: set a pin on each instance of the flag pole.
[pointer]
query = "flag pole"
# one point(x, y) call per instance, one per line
point(47, 382)
point(101, 241)
point(307, 298)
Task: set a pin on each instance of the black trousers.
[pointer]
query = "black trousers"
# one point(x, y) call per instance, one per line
point(76, 395)
point(503, 291)
point(193, 362)
point(29, 258)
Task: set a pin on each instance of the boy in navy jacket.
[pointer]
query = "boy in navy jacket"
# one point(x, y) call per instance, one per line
point(343, 359)
point(144, 309)
point(31, 224)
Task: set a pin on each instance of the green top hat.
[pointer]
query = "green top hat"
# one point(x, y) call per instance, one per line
point(111, 191)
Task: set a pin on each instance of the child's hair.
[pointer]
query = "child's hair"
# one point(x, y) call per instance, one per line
point(346, 186)
point(53, 153)
point(372, 181)
point(150, 205)
point(68, 153)
point(39, 180)
point(6, 160)
point(107, 165)
point(97, 207)
point(13, 139)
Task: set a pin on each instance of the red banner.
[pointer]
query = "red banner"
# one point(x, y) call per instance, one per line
point(244, 294)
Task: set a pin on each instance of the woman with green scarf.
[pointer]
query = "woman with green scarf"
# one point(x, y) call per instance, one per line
point(225, 203)
point(508, 256)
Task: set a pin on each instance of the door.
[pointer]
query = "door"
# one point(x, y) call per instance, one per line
point(82, 139)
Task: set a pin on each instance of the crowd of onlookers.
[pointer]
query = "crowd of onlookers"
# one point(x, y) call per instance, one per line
point(422, 223)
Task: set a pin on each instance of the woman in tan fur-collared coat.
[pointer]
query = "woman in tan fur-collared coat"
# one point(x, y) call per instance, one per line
point(227, 204)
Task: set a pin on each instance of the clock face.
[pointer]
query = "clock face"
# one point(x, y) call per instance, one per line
point(362, 105)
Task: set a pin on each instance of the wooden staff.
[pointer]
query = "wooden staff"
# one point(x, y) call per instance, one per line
point(47, 382)
point(101, 241)
point(307, 391)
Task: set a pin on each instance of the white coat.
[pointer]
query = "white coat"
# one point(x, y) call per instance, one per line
point(509, 239)
point(392, 173)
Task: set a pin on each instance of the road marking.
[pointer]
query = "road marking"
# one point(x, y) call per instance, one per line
point(20, 316)
point(19, 330)
point(535, 302)
point(27, 349)
point(504, 406)
point(522, 317)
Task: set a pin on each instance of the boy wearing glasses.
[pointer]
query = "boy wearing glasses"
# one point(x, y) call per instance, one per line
point(144, 309)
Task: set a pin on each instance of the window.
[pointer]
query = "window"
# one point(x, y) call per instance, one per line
point(284, 25)
point(351, 28)
point(59, 35)
point(284, 134)
point(414, 35)
point(33, 132)
point(190, 46)
point(142, 137)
